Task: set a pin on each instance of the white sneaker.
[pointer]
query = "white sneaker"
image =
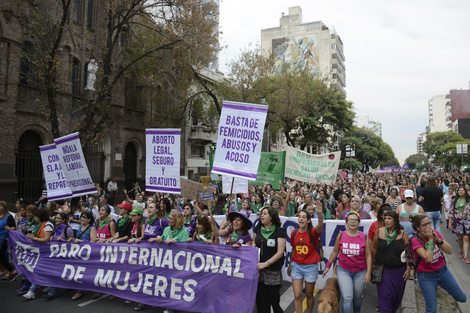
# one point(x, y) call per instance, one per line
point(29, 295)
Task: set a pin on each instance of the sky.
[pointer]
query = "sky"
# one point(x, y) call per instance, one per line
point(399, 54)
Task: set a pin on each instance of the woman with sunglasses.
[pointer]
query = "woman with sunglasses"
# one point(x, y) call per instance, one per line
point(432, 271)
point(355, 263)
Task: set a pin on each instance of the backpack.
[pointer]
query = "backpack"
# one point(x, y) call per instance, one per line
point(319, 249)
point(411, 259)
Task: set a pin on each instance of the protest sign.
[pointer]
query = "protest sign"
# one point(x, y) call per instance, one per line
point(271, 169)
point(195, 276)
point(56, 184)
point(190, 189)
point(70, 153)
point(311, 168)
point(240, 136)
point(240, 185)
point(162, 171)
point(331, 229)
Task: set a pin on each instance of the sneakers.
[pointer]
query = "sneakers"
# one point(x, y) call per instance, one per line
point(140, 307)
point(12, 277)
point(30, 295)
point(460, 254)
point(466, 261)
point(22, 290)
point(128, 302)
point(5, 277)
point(77, 296)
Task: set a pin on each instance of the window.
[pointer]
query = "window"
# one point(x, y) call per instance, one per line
point(90, 13)
point(76, 6)
point(75, 77)
point(197, 150)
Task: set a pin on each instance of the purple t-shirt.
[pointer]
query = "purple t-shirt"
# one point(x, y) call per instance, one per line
point(242, 239)
point(156, 229)
point(190, 227)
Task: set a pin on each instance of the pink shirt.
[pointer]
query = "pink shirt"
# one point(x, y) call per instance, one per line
point(437, 258)
point(352, 255)
point(104, 233)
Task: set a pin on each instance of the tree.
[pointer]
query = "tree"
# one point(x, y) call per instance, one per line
point(371, 151)
point(165, 39)
point(434, 142)
point(415, 159)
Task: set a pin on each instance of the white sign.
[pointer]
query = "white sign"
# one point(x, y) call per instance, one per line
point(56, 184)
point(461, 147)
point(69, 150)
point(240, 185)
point(312, 168)
point(240, 136)
point(162, 172)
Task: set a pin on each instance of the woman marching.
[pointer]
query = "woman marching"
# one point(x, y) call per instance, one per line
point(305, 258)
point(432, 270)
point(238, 233)
point(459, 217)
point(389, 242)
point(355, 264)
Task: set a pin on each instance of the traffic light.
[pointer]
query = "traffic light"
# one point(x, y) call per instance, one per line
point(354, 146)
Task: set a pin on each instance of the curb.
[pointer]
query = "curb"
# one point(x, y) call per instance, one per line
point(408, 303)
point(463, 306)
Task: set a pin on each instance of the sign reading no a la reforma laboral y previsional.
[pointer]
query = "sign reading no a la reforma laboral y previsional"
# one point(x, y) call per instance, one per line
point(240, 136)
point(162, 171)
point(70, 153)
point(56, 183)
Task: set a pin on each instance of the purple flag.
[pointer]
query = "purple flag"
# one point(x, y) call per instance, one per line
point(195, 276)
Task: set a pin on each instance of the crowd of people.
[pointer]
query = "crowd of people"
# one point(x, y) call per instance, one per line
point(405, 207)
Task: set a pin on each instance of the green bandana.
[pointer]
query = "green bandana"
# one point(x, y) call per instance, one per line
point(267, 232)
point(31, 222)
point(390, 238)
point(291, 209)
point(234, 236)
point(173, 233)
point(150, 221)
point(205, 236)
point(121, 221)
point(36, 229)
point(460, 204)
point(188, 220)
point(104, 223)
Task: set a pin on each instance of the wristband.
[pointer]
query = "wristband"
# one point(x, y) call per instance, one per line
point(328, 264)
point(441, 242)
point(429, 245)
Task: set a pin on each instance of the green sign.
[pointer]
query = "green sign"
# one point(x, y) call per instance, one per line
point(270, 168)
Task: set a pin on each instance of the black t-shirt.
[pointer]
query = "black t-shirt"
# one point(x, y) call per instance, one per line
point(269, 247)
point(125, 229)
point(432, 199)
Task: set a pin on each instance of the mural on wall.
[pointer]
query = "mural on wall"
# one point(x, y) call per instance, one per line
point(299, 51)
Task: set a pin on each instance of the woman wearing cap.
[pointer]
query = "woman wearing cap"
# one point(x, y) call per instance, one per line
point(355, 264)
point(432, 270)
point(136, 231)
point(271, 238)
point(407, 209)
point(238, 234)
point(460, 219)
point(305, 258)
point(203, 230)
point(389, 242)
point(123, 224)
point(105, 226)
point(175, 231)
point(189, 220)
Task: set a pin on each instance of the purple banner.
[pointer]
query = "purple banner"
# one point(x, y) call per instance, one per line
point(194, 277)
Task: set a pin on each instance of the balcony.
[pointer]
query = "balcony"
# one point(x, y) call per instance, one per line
point(202, 133)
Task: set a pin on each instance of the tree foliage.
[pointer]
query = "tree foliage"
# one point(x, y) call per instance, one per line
point(415, 159)
point(371, 150)
point(434, 142)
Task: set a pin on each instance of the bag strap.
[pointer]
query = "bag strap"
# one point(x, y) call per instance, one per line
point(83, 233)
point(66, 228)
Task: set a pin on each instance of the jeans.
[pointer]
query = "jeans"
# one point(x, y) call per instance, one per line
point(428, 284)
point(435, 218)
point(351, 285)
point(50, 293)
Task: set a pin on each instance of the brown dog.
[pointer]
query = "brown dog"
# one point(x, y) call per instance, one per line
point(329, 297)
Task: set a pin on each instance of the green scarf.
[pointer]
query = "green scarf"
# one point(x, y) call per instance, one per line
point(206, 236)
point(291, 209)
point(267, 232)
point(173, 233)
point(234, 236)
point(188, 220)
point(390, 238)
point(122, 221)
point(36, 228)
point(102, 224)
point(31, 222)
point(460, 204)
point(150, 221)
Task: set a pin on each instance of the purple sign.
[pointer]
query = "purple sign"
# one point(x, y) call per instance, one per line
point(196, 277)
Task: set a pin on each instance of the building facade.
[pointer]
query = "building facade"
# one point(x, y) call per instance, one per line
point(310, 44)
point(439, 111)
point(367, 123)
point(460, 107)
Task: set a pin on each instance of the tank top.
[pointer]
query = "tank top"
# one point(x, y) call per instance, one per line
point(405, 216)
point(394, 205)
point(104, 233)
point(352, 255)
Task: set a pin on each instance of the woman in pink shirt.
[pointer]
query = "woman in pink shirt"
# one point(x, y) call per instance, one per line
point(355, 263)
point(428, 245)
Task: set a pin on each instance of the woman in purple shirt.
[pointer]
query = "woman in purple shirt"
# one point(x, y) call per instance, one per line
point(155, 223)
point(62, 230)
point(238, 234)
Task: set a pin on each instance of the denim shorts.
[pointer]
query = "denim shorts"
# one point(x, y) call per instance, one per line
point(307, 272)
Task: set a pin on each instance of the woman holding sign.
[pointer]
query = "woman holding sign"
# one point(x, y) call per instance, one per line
point(305, 258)
point(271, 238)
